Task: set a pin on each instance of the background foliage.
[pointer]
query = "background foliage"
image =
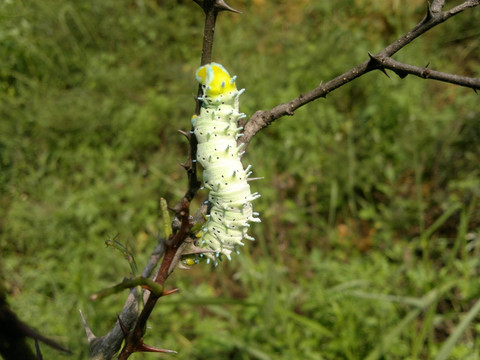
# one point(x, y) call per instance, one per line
point(369, 246)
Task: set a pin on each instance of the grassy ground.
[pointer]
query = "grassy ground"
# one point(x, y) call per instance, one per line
point(369, 246)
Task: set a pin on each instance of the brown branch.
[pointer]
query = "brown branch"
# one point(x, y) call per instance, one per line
point(434, 16)
point(134, 338)
point(181, 226)
point(402, 70)
point(107, 346)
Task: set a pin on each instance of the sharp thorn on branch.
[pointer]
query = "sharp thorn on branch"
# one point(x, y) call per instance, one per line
point(90, 335)
point(185, 165)
point(142, 347)
point(122, 327)
point(220, 5)
point(475, 89)
point(184, 133)
point(170, 292)
point(374, 62)
point(382, 69)
point(426, 66)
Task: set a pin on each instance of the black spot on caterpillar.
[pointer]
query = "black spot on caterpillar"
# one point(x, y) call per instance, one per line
point(217, 131)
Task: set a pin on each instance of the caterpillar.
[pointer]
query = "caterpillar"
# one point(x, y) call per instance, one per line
point(217, 131)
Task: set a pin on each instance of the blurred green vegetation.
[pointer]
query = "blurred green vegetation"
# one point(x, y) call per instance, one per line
point(369, 246)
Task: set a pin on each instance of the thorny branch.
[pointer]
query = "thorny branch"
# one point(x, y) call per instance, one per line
point(380, 61)
point(130, 327)
point(402, 70)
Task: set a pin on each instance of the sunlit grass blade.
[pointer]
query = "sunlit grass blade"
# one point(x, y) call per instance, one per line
point(417, 302)
point(455, 335)
point(392, 334)
point(307, 322)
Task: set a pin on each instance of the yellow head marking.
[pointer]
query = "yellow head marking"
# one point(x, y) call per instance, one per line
point(216, 80)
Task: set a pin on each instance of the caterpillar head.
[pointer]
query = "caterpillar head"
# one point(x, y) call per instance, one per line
point(217, 84)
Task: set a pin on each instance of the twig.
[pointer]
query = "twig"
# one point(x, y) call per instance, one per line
point(146, 283)
point(107, 346)
point(434, 16)
point(134, 338)
point(402, 70)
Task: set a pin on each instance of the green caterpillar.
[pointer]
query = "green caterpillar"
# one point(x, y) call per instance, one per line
point(217, 131)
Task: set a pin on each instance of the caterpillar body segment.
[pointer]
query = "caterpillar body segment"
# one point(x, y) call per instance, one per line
point(216, 129)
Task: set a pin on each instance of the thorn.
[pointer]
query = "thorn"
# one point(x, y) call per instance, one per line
point(170, 292)
point(90, 335)
point(185, 165)
point(374, 61)
point(220, 5)
point(184, 133)
point(142, 347)
point(383, 70)
point(426, 66)
point(122, 327)
point(475, 89)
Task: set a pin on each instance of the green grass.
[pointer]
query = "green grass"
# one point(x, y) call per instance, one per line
point(369, 244)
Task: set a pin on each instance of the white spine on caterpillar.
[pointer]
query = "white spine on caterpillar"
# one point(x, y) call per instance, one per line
point(217, 131)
